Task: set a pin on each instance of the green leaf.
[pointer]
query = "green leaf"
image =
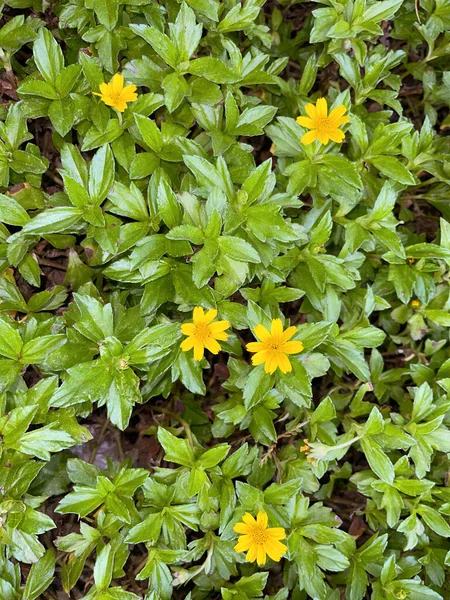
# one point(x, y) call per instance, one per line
point(176, 450)
point(392, 168)
point(213, 70)
point(256, 387)
point(48, 56)
point(238, 249)
point(40, 576)
point(11, 342)
point(379, 462)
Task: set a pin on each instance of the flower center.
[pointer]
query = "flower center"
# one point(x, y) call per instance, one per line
point(259, 535)
point(275, 344)
point(202, 331)
point(322, 123)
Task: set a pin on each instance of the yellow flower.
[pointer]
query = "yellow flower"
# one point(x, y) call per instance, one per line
point(274, 347)
point(258, 539)
point(324, 126)
point(115, 95)
point(203, 333)
point(307, 450)
point(415, 304)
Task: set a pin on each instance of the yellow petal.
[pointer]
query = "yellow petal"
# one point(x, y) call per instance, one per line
point(341, 121)
point(219, 326)
point(243, 528)
point(129, 89)
point(284, 363)
point(306, 122)
point(198, 314)
point(108, 101)
point(187, 344)
point(276, 327)
point(256, 346)
point(188, 328)
point(275, 550)
point(260, 555)
point(288, 333)
point(210, 315)
point(277, 533)
point(220, 335)
point(120, 105)
point(271, 363)
point(213, 346)
point(262, 519)
point(309, 137)
point(336, 135)
point(323, 137)
point(104, 89)
point(260, 357)
point(249, 519)
point(251, 554)
point(117, 83)
point(337, 112)
point(199, 350)
point(311, 111)
point(261, 333)
point(321, 108)
point(293, 347)
point(244, 543)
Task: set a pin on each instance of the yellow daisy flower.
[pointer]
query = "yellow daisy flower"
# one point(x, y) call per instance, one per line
point(324, 126)
point(274, 347)
point(415, 303)
point(202, 333)
point(115, 94)
point(258, 540)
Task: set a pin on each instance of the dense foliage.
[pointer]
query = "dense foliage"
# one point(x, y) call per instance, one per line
point(125, 463)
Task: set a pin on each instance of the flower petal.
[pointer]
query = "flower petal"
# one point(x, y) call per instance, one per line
point(337, 112)
point(120, 105)
point(244, 543)
point(276, 327)
point(199, 350)
point(341, 121)
point(210, 315)
point(256, 346)
point(293, 347)
point(188, 328)
point(261, 357)
point(105, 89)
point(284, 363)
point(309, 137)
point(187, 344)
point(220, 335)
point(277, 533)
point(321, 108)
point(249, 519)
point(213, 346)
point(271, 363)
point(288, 333)
point(323, 137)
point(117, 83)
point(262, 519)
point(243, 528)
point(275, 550)
point(336, 135)
point(306, 122)
point(311, 111)
point(251, 554)
point(198, 314)
point(219, 326)
point(260, 555)
point(261, 333)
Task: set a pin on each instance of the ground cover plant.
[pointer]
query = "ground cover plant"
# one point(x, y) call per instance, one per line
point(224, 300)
